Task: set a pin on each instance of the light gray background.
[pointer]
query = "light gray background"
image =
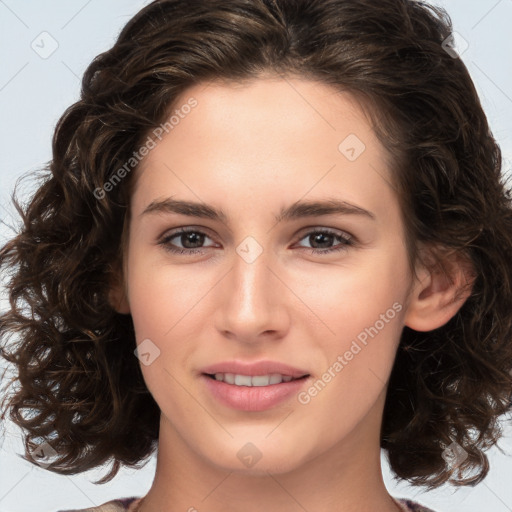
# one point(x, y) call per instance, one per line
point(35, 91)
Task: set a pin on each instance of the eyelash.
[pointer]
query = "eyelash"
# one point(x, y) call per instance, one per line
point(347, 241)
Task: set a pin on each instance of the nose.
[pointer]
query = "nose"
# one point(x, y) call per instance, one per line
point(252, 301)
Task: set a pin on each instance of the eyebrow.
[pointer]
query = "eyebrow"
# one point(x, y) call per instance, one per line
point(297, 210)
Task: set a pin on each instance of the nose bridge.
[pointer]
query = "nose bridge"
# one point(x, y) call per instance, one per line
point(250, 302)
point(252, 275)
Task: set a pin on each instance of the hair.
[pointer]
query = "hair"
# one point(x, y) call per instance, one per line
point(74, 353)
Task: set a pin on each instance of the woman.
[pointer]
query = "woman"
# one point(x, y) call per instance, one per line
point(215, 149)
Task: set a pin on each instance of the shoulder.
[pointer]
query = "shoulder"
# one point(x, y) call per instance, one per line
point(117, 505)
point(412, 506)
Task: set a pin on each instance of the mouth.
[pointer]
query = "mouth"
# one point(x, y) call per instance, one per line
point(253, 393)
point(253, 380)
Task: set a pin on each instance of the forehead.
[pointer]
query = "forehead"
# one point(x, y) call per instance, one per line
point(295, 135)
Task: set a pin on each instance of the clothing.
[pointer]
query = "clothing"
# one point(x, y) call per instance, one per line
point(412, 506)
point(130, 505)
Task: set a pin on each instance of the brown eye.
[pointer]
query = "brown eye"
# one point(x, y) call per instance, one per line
point(190, 239)
point(324, 238)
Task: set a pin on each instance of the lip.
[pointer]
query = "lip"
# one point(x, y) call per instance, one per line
point(250, 398)
point(253, 398)
point(255, 368)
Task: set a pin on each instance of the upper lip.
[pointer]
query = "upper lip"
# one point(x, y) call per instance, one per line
point(254, 368)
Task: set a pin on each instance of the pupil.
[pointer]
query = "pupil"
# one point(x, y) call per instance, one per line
point(319, 236)
point(190, 237)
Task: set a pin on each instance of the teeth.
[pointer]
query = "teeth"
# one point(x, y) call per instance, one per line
point(275, 378)
point(257, 380)
point(228, 377)
point(243, 380)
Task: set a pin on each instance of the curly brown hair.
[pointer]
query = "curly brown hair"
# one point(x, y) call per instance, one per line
point(73, 352)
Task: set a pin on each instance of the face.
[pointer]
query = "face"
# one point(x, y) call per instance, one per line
point(321, 289)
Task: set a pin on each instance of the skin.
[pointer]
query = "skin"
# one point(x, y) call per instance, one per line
point(252, 149)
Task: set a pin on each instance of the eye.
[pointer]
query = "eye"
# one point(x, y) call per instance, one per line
point(191, 240)
point(324, 237)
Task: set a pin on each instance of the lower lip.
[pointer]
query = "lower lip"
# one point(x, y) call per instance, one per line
point(253, 398)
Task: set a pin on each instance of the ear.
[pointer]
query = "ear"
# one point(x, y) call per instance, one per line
point(117, 295)
point(439, 291)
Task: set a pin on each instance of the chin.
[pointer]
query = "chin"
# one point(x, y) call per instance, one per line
point(257, 458)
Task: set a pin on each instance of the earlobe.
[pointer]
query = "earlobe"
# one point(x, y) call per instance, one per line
point(439, 292)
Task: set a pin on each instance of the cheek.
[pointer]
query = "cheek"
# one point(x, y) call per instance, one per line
point(363, 309)
point(162, 296)
point(349, 299)
point(162, 302)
